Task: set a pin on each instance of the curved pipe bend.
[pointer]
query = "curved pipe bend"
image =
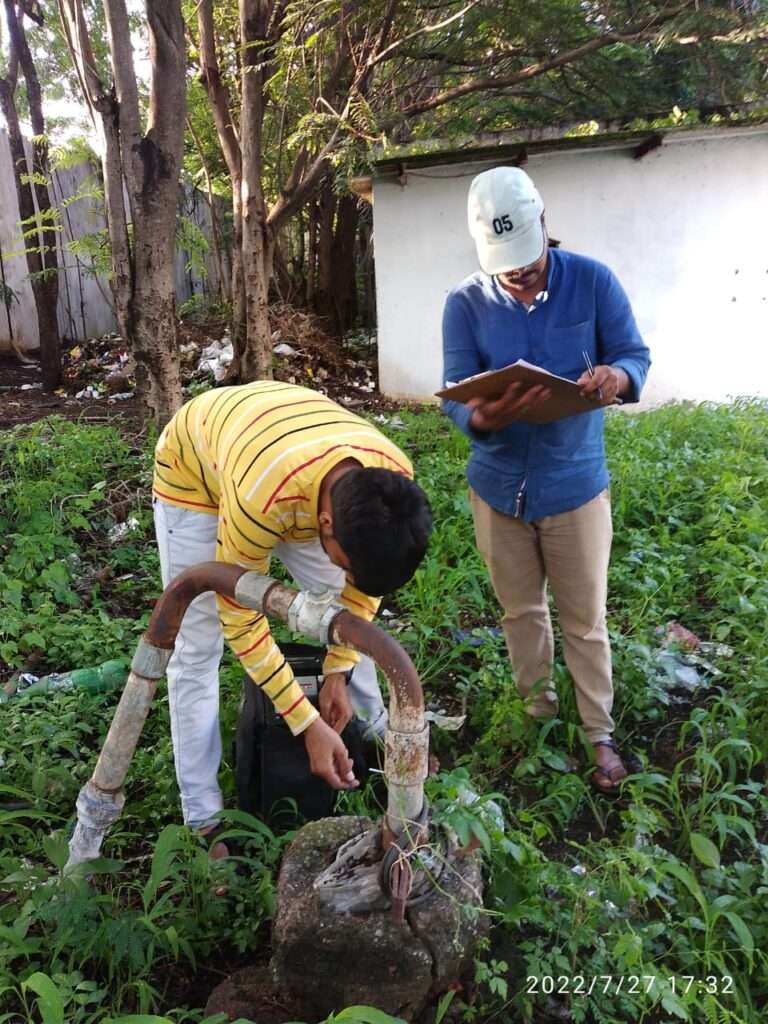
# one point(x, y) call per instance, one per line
point(172, 604)
point(407, 697)
point(275, 598)
point(407, 735)
point(407, 738)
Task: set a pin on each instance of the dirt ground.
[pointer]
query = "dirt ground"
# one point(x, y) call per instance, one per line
point(22, 400)
point(94, 372)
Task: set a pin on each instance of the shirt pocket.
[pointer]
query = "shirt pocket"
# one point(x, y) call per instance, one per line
point(566, 345)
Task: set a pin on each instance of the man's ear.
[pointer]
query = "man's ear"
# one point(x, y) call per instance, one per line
point(325, 519)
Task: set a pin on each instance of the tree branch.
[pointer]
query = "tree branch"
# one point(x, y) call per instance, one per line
point(20, 51)
point(104, 105)
point(33, 11)
point(11, 79)
point(491, 84)
point(121, 51)
point(426, 29)
point(218, 94)
point(79, 44)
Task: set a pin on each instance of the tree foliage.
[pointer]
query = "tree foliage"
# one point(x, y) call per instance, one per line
point(311, 88)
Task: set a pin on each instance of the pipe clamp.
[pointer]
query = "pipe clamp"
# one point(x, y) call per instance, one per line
point(149, 661)
point(252, 588)
point(312, 612)
point(406, 757)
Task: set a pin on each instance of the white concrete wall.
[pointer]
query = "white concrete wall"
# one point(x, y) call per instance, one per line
point(685, 229)
point(21, 316)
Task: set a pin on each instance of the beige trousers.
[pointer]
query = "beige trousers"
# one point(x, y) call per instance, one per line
point(571, 552)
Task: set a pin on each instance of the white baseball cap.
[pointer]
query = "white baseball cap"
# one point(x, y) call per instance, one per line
point(504, 211)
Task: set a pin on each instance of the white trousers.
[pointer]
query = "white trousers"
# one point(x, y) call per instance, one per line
point(184, 539)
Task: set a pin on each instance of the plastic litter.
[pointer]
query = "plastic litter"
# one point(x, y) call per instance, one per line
point(451, 723)
point(101, 679)
point(216, 358)
point(284, 349)
point(477, 637)
point(121, 530)
point(681, 665)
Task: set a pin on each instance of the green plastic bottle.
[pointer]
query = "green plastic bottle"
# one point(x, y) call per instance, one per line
point(109, 676)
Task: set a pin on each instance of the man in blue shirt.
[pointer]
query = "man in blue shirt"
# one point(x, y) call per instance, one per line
point(539, 493)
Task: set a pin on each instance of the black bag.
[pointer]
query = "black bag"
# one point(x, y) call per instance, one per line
point(271, 765)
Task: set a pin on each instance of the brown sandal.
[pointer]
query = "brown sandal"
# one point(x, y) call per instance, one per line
point(614, 787)
point(217, 850)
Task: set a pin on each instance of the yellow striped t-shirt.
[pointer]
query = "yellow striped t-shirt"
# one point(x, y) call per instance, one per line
point(255, 456)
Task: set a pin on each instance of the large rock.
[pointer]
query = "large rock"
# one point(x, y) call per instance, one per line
point(328, 960)
point(250, 994)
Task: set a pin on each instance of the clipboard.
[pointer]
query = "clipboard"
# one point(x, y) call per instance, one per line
point(565, 400)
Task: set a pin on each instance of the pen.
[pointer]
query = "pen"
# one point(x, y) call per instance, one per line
point(591, 371)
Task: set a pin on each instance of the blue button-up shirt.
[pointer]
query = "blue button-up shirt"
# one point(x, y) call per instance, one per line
point(540, 470)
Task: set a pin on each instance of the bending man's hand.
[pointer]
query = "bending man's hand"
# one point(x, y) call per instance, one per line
point(328, 757)
point(495, 413)
point(605, 385)
point(335, 706)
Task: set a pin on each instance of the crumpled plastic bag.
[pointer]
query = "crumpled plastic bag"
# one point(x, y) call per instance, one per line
point(682, 662)
point(216, 358)
point(121, 530)
point(451, 723)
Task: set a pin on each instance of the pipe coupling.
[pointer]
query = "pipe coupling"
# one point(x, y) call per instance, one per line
point(97, 809)
point(149, 661)
point(312, 613)
point(252, 588)
point(406, 757)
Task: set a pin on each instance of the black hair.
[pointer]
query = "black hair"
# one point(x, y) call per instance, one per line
point(383, 522)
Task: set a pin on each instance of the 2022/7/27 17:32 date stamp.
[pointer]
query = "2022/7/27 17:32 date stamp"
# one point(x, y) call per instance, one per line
point(651, 985)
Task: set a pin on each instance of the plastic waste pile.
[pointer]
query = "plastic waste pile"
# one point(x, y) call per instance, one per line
point(682, 663)
point(216, 358)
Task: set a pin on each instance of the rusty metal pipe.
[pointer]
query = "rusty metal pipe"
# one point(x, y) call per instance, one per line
point(318, 616)
point(406, 711)
point(101, 799)
point(170, 609)
point(406, 752)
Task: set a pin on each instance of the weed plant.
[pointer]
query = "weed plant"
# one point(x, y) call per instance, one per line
point(650, 908)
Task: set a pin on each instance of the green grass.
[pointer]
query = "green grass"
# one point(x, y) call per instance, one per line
point(670, 883)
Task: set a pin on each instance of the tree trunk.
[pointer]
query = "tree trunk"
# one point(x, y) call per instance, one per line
point(311, 261)
point(152, 319)
point(299, 264)
point(366, 267)
point(258, 240)
point(258, 251)
point(149, 163)
point(47, 293)
point(343, 280)
point(43, 264)
point(218, 98)
point(323, 304)
point(238, 327)
point(157, 168)
point(283, 281)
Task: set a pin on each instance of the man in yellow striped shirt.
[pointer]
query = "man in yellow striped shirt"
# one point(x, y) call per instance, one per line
point(242, 473)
